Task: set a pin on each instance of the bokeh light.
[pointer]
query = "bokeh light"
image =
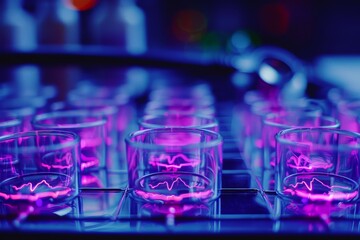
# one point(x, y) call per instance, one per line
point(80, 5)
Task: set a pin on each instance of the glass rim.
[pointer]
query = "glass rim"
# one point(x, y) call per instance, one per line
point(169, 102)
point(213, 122)
point(98, 120)
point(331, 122)
point(11, 122)
point(306, 105)
point(117, 98)
point(217, 141)
point(198, 109)
point(349, 106)
point(165, 92)
point(75, 139)
point(18, 112)
point(17, 102)
point(279, 136)
point(105, 106)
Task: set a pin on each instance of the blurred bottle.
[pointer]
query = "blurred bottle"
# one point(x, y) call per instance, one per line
point(58, 29)
point(120, 25)
point(17, 26)
point(57, 24)
point(18, 32)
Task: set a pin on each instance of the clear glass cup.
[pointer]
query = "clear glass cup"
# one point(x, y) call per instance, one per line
point(24, 114)
point(197, 91)
point(9, 125)
point(348, 111)
point(93, 134)
point(99, 108)
point(317, 165)
point(174, 165)
point(175, 119)
point(186, 106)
point(275, 122)
point(96, 96)
point(253, 141)
point(39, 168)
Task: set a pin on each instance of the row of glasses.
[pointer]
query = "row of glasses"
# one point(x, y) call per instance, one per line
point(92, 132)
point(257, 127)
point(175, 156)
point(116, 106)
point(38, 169)
point(303, 152)
point(317, 173)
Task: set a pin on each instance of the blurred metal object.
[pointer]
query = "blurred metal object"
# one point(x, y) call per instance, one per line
point(276, 68)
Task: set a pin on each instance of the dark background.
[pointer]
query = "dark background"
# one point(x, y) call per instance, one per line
point(307, 28)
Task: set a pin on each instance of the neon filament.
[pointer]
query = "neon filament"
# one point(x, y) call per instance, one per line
point(176, 209)
point(173, 163)
point(33, 188)
point(88, 158)
point(174, 187)
point(310, 186)
point(171, 185)
point(318, 190)
point(175, 198)
point(65, 162)
point(304, 163)
point(33, 192)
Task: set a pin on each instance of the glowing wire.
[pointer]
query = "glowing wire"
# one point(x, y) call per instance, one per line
point(170, 187)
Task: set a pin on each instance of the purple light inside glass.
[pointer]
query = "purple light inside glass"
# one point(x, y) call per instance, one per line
point(185, 106)
point(178, 119)
point(63, 162)
point(174, 163)
point(302, 162)
point(324, 210)
point(91, 130)
point(176, 209)
point(320, 187)
point(170, 187)
point(175, 198)
point(177, 139)
point(91, 181)
point(48, 188)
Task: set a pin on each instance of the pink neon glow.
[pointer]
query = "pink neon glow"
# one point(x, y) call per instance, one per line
point(64, 162)
point(90, 180)
point(170, 186)
point(6, 158)
point(34, 197)
point(157, 161)
point(31, 188)
point(303, 162)
point(175, 209)
point(177, 198)
point(331, 195)
point(197, 191)
point(177, 139)
point(88, 162)
point(325, 211)
point(88, 158)
point(88, 140)
point(259, 143)
point(310, 186)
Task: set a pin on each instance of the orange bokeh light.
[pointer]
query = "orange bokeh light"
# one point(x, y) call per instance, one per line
point(81, 5)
